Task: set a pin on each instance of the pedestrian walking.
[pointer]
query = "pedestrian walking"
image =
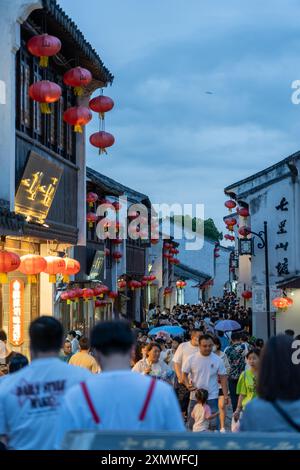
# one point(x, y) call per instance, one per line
point(83, 358)
point(6, 355)
point(277, 406)
point(203, 370)
point(201, 413)
point(30, 398)
point(152, 364)
point(235, 353)
point(66, 353)
point(118, 399)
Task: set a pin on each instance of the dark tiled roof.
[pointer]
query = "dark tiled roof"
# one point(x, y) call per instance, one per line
point(79, 43)
point(294, 156)
point(113, 187)
point(184, 271)
point(10, 222)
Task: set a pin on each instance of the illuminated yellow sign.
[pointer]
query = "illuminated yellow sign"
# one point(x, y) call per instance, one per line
point(16, 310)
point(38, 187)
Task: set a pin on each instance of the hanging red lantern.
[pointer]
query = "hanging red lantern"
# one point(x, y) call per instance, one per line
point(117, 241)
point(216, 255)
point(45, 92)
point(152, 277)
point(280, 302)
point(244, 212)
point(247, 294)
point(31, 265)
point(230, 204)
point(229, 237)
point(8, 262)
point(78, 78)
point(167, 246)
point(72, 267)
point(106, 252)
point(231, 221)
point(180, 284)
point(167, 291)
point(91, 198)
point(122, 284)
point(117, 205)
point(102, 140)
point(144, 283)
point(101, 104)
point(100, 304)
point(176, 261)
point(87, 294)
point(113, 295)
point(244, 231)
point(289, 301)
point(77, 116)
point(44, 46)
point(55, 265)
point(91, 219)
point(117, 255)
point(64, 295)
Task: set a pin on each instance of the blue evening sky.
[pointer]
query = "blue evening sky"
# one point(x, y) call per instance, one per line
point(174, 141)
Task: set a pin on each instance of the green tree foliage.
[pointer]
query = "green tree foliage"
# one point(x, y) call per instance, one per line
point(210, 229)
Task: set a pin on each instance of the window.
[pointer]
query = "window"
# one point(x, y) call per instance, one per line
point(50, 130)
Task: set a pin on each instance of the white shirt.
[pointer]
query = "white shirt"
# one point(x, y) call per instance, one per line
point(118, 398)
point(204, 371)
point(30, 400)
point(184, 351)
point(200, 414)
point(158, 369)
point(75, 345)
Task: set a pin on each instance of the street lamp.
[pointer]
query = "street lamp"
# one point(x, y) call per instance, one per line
point(246, 247)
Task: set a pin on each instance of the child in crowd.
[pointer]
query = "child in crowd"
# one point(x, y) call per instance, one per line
point(202, 413)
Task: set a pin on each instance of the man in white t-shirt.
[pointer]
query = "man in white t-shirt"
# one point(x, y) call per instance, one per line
point(183, 352)
point(30, 399)
point(118, 399)
point(203, 370)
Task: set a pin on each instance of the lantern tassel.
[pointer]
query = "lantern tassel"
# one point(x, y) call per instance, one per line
point(44, 60)
point(78, 128)
point(101, 115)
point(31, 279)
point(52, 278)
point(45, 109)
point(66, 278)
point(78, 90)
point(3, 278)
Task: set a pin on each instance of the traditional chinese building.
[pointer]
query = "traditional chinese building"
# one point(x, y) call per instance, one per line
point(42, 178)
point(269, 256)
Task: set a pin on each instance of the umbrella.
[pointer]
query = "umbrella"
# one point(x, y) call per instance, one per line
point(172, 330)
point(227, 325)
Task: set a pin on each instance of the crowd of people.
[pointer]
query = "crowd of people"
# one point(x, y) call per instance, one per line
point(179, 371)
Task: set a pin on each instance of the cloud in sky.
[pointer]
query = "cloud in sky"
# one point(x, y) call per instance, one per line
point(174, 141)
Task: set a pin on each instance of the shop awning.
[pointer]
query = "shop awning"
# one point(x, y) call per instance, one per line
point(184, 272)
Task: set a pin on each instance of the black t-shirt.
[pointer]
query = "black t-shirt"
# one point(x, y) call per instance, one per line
point(5, 361)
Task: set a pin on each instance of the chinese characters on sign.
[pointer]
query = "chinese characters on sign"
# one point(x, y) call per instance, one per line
point(282, 267)
point(16, 319)
point(37, 188)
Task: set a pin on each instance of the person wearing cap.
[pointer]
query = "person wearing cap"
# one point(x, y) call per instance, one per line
point(118, 399)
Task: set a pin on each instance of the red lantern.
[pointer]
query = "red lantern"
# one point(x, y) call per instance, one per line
point(72, 267)
point(44, 46)
point(77, 116)
point(8, 262)
point(216, 255)
point(154, 241)
point(77, 78)
point(231, 221)
point(167, 291)
point(230, 204)
point(91, 219)
point(45, 92)
point(87, 294)
point(117, 255)
point(102, 140)
point(247, 294)
point(32, 265)
point(244, 231)
point(280, 302)
point(64, 295)
point(101, 104)
point(106, 251)
point(122, 284)
point(78, 294)
point(167, 246)
point(180, 284)
point(289, 301)
point(117, 206)
point(152, 278)
point(113, 295)
point(117, 241)
point(91, 198)
point(244, 212)
point(55, 265)
point(167, 256)
point(229, 237)
point(99, 304)
point(144, 283)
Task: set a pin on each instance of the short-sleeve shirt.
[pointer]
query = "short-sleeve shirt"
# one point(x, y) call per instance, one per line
point(184, 351)
point(85, 360)
point(204, 372)
point(200, 415)
point(246, 386)
point(30, 401)
point(236, 358)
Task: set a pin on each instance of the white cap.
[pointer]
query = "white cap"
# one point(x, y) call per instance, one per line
point(78, 333)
